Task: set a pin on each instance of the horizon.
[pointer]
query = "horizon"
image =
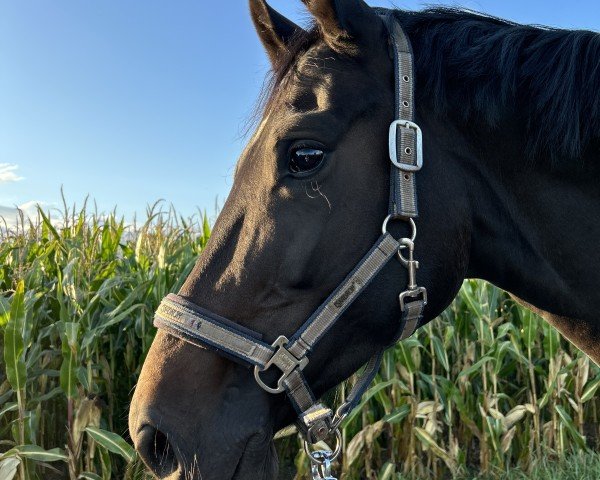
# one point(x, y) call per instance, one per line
point(128, 105)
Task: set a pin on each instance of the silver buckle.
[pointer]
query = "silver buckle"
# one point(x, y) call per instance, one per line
point(284, 361)
point(393, 134)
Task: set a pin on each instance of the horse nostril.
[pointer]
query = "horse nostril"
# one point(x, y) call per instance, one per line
point(156, 451)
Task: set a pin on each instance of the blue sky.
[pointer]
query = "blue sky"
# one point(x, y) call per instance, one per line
point(132, 101)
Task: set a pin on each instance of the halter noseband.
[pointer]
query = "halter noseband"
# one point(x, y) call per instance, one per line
point(200, 327)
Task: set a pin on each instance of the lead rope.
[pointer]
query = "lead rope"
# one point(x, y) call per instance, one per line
point(406, 156)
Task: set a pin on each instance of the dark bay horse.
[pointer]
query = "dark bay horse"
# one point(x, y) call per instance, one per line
point(509, 192)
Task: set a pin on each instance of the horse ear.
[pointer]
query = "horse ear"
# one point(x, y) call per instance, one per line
point(274, 30)
point(346, 23)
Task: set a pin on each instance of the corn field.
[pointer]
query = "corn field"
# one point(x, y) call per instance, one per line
point(483, 389)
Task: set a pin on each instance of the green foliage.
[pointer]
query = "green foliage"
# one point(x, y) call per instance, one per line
point(488, 387)
point(77, 296)
point(112, 442)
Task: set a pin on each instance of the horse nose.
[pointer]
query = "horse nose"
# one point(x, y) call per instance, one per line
point(156, 451)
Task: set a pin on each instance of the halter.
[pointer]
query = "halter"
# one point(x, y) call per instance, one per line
point(202, 328)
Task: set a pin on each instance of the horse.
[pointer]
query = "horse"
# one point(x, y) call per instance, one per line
point(508, 192)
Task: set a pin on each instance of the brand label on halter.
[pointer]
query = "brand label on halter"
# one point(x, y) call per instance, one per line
point(168, 311)
point(346, 294)
point(284, 361)
point(177, 316)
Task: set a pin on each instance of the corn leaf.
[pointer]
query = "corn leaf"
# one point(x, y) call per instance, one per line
point(34, 452)
point(112, 442)
point(8, 468)
point(13, 341)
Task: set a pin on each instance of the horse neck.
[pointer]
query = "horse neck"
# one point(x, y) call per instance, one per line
point(536, 229)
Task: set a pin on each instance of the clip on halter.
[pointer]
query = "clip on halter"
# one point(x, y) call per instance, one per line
point(321, 465)
point(412, 291)
point(321, 459)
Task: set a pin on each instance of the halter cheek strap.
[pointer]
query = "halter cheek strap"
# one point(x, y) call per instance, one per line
point(202, 328)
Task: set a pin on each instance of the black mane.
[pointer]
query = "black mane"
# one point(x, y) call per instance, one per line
point(489, 70)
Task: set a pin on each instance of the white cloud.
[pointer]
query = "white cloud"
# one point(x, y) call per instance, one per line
point(10, 217)
point(7, 173)
point(30, 208)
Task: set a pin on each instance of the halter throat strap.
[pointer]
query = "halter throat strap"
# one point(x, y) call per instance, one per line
point(187, 321)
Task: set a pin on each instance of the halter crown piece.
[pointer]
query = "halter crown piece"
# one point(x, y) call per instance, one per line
point(316, 421)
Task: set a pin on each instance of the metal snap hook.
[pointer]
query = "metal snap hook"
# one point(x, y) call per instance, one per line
point(321, 471)
point(410, 244)
point(413, 290)
point(340, 415)
point(331, 456)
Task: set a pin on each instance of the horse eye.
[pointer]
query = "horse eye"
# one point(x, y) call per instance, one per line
point(305, 159)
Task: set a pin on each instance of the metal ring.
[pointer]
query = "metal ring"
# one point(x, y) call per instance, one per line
point(392, 216)
point(334, 455)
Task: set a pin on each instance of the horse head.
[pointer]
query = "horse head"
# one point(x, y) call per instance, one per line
point(309, 196)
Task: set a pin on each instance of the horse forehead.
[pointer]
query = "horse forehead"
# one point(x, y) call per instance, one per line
point(323, 79)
